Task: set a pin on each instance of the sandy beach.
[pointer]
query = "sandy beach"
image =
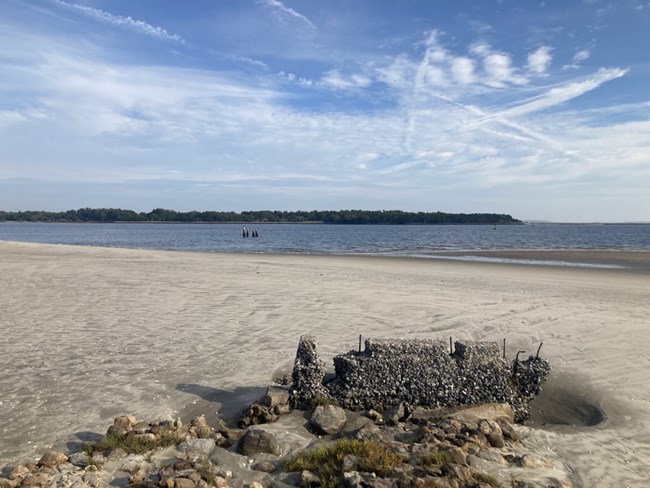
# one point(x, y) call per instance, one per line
point(92, 333)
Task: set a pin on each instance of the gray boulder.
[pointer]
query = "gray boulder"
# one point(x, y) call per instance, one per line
point(328, 419)
point(256, 441)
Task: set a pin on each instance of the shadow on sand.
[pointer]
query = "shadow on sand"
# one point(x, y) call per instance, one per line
point(566, 402)
point(227, 405)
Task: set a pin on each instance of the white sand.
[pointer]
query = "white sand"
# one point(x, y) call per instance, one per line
point(91, 333)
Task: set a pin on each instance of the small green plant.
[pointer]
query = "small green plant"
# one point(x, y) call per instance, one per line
point(435, 458)
point(130, 443)
point(322, 401)
point(487, 479)
point(327, 461)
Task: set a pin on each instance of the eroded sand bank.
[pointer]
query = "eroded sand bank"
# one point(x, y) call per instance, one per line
point(91, 333)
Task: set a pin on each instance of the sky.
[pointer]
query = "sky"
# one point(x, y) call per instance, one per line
point(537, 109)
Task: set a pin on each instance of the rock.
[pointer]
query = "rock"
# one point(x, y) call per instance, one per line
point(396, 413)
point(182, 465)
point(257, 441)
point(328, 419)
point(530, 461)
point(125, 421)
point(7, 483)
point(66, 468)
point(79, 459)
point(375, 416)
point(183, 483)
point(133, 462)
point(255, 484)
point(369, 431)
point(116, 430)
point(352, 479)
point(489, 411)
point(199, 421)
point(509, 431)
point(93, 479)
point(308, 480)
point(114, 454)
point(275, 396)
point(456, 455)
point(138, 477)
point(39, 480)
point(491, 456)
point(495, 440)
point(257, 414)
point(52, 459)
point(201, 446)
point(265, 467)
point(19, 473)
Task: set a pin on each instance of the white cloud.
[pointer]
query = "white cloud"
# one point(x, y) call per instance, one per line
point(561, 94)
point(125, 22)
point(540, 60)
point(462, 69)
point(435, 76)
point(435, 52)
point(498, 67)
point(284, 10)
point(334, 79)
point(399, 73)
point(581, 55)
point(480, 48)
point(578, 58)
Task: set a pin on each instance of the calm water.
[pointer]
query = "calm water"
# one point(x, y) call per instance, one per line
point(409, 240)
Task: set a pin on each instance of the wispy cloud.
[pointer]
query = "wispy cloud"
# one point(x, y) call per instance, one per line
point(335, 79)
point(578, 58)
point(124, 22)
point(284, 11)
point(561, 94)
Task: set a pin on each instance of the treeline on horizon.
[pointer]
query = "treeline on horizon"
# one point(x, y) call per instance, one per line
point(392, 217)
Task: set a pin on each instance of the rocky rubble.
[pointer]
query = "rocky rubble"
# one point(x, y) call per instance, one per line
point(406, 430)
point(471, 447)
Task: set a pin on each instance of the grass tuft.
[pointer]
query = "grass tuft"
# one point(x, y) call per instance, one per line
point(322, 401)
point(435, 458)
point(327, 461)
point(130, 443)
point(487, 479)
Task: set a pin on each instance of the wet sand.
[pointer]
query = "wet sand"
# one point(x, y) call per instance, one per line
point(91, 333)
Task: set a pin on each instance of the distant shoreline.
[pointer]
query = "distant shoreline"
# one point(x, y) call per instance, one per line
point(243, 222)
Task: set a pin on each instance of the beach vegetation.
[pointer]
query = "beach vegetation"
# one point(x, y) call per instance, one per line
point(130, 443)
point(322, 401)
point(326, 462)
point(487, 479)
point(434, 458)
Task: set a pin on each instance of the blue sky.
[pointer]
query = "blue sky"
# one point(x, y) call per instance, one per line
point(538, 109)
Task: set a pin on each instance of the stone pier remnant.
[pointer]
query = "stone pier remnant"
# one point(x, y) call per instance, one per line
point(308, 374)
point(417, 372)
